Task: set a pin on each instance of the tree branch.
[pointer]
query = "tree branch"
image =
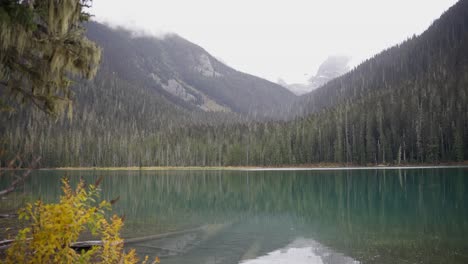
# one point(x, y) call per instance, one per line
point(21, 179)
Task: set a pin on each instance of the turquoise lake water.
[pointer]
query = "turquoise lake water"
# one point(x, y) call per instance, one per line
point(285, 216)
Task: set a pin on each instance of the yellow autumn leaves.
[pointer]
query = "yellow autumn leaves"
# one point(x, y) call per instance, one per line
point(55, 227)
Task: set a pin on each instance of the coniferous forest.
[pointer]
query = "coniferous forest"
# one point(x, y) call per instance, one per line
point(406, 105)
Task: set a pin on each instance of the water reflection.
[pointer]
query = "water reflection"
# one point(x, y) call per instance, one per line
point(303, 251)
point(374, 216)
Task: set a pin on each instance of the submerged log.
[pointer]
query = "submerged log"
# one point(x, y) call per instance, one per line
point(4, 244)
point(87, 245)
point(8, 216)
point(159, 236)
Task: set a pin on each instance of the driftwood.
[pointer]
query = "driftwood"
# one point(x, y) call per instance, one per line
point(8, 216)
point(78, 246)
point(87, 245)
point(5, 243)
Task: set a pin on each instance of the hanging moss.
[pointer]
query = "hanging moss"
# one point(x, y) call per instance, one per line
point(42, 43)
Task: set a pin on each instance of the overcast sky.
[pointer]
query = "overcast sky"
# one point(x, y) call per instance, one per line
point(279, 39)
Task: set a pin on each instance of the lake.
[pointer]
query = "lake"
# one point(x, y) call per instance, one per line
point(284, 216)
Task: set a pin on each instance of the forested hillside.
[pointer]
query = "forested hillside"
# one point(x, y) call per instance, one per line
point(145, 87)
point(111, 119)
point(407, 104)
point(186, 74)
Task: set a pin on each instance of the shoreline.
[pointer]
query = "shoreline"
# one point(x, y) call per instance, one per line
point(318, 166)
point(321, 166)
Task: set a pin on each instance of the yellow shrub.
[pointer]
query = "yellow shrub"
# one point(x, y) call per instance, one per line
point(54, 227)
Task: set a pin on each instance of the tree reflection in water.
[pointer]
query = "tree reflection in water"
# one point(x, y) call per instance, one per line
point(374, 216)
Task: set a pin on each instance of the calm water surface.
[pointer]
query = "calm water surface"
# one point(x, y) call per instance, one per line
point(263, 217)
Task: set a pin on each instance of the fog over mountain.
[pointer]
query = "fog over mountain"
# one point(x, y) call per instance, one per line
point(169, 102)
point(279, 39)
point(331, 132)
point(184, 73)
point(332, 67)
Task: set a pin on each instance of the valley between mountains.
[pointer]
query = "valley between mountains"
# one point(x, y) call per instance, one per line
point(167, 102)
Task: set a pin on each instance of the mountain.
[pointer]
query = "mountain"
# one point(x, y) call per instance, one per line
point(428, 60)
point(408, 104)
point(332, 67)
point(186, 74)
point(146, 89)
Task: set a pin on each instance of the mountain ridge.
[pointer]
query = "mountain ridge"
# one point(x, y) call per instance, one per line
point(331, 68)
point(186, 73)
point(395, 61)
point(408, 104)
